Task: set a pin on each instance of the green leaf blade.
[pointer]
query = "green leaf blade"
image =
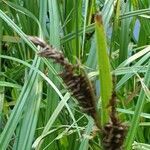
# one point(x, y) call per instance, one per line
point(104, 68)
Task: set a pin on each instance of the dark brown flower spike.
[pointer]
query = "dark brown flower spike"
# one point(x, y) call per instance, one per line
point(113, 132)
point(79, 85)
point(37, 41)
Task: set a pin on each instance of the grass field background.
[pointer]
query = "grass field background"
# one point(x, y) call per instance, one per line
point(36, 109)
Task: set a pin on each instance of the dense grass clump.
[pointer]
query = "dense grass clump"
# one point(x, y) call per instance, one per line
point(57, 59)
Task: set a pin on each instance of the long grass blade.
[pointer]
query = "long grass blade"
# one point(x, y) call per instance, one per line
point(104, 68)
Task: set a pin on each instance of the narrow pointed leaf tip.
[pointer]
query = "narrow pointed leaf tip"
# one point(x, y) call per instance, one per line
point(98, 19)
